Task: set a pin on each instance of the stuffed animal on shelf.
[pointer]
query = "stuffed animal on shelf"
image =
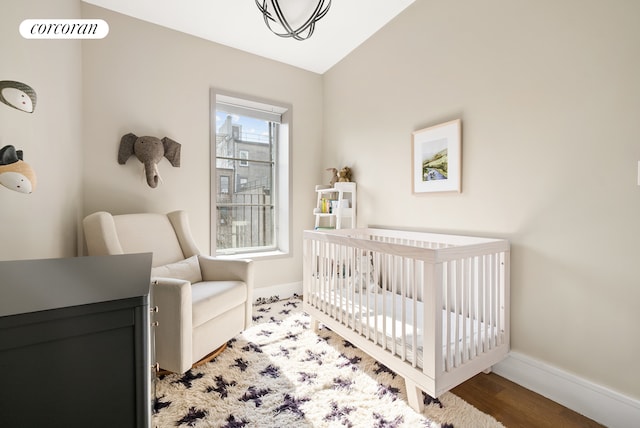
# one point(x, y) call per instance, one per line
point(344, 175)
point(149, 151)
point(334, 176)
point(16, 174)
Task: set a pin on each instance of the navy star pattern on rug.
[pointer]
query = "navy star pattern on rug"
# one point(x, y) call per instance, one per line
point(280, 373)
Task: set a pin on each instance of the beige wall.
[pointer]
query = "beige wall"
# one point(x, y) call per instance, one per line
point(150, 80)
point(42, 224)
point(549, 97)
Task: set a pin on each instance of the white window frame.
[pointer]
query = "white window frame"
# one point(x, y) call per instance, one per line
point(282, 181)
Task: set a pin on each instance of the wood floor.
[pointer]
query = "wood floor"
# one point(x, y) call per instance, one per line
point(515, 406)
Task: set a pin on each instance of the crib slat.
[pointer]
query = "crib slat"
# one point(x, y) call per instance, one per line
point(447, 319)
point(486, 285)
point(329, 281)
point(371, 298)
point(365, 267)
point(394, 288)
point(333, 279)
point(491, 321)
point(384, 261)
point(345, 285)
point(487, 303)
point(498, 299)
point(494, 302)
point(403, 310)
point(308, 270)
point(471, 302)
point(321, 274)
point(458, 310)
point(338, 274)
point(414, 307)
point(337, 281)
point(352, 297)
point(331, 286)
point(473, 284)
point(494, 324)
point(320, 282)
point(376, 263)
point(321, 278)
point(481, 303)
point(465, 309)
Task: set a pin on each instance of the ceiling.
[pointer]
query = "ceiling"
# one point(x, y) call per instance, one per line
point(239, 24)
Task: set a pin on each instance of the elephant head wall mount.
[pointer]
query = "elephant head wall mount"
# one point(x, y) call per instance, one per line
point(149, 151)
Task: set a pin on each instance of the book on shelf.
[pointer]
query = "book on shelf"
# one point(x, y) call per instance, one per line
point(328, 206)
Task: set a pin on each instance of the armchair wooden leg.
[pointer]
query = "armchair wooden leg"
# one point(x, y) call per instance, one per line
point(203, 360)
point(210, 356)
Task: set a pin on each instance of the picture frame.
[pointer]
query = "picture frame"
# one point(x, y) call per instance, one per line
point(436, 158)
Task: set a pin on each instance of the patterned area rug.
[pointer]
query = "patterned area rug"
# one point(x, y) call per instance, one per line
point(279, 373)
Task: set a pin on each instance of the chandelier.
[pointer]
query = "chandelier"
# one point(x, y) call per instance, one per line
point(282, 26)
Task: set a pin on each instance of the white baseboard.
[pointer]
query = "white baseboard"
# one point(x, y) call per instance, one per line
point(283, 291)
point(596, 402)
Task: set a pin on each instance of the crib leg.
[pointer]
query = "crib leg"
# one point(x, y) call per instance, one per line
point(414, 396)
point(487, 370)
point(315, 325)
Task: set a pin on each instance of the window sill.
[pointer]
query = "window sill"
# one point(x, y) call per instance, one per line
point(262, 255)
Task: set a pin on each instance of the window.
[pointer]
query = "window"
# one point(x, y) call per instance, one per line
point(250, 157)
point(242, 184)
point(244, 156)
point(224, 184)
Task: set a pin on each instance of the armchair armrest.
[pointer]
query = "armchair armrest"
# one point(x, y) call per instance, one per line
point(226, 270)
point(174, 343)
point(214, 269)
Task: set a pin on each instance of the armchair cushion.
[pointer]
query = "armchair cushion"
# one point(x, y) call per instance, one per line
point(213, 298)
point(187, 269)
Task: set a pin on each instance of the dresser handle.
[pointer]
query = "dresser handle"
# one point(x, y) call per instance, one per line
point(155, 324)
point(153, 310)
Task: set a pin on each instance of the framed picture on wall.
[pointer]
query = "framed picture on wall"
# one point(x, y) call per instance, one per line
point(436, 158)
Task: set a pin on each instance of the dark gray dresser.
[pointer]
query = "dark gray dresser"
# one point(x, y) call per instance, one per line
point(74, 342)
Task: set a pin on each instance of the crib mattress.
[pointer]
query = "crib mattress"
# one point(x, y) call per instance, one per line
point(379, 317)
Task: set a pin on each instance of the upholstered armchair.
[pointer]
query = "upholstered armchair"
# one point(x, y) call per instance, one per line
point(202, 301)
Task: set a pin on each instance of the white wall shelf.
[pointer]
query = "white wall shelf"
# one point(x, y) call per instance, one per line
point(335, 206)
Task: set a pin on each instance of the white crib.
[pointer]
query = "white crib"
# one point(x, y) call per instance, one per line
point(434, 308)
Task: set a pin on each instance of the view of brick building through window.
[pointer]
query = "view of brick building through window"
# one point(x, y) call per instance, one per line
point(245, 168)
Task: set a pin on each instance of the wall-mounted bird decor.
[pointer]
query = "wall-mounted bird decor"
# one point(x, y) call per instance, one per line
point(16, 174)
point(18, 95)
